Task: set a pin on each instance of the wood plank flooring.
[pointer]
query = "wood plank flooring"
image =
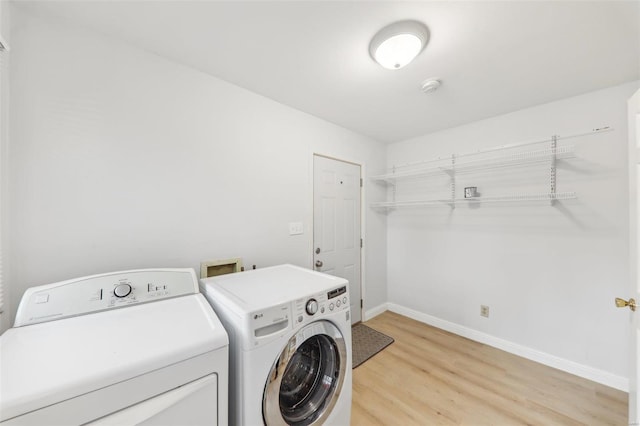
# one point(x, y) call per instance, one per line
point(432, 377)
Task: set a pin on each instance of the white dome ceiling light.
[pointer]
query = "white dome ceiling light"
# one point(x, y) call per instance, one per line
point(398, 44)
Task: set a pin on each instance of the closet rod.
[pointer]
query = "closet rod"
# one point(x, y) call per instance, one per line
point(603, 129)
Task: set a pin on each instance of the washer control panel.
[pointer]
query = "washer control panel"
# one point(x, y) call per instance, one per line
point(308, 308)
point(103, 292)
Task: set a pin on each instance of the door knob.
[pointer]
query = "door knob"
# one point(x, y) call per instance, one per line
point(319, 264)
point(621, 303)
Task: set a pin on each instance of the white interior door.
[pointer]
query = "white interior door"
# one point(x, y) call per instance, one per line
point(634, 198)
point(336, 224)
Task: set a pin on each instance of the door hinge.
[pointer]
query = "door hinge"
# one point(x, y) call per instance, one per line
point(4, 47)
point(361, 183)
point(361, 304)
point(361, 243)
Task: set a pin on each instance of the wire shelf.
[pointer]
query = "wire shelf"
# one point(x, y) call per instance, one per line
point(516, 159)
point(486, 163)
point(544, 197)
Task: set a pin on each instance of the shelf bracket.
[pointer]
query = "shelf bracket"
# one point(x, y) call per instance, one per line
point(553, 177)
point(453, 181)
point(393, 189)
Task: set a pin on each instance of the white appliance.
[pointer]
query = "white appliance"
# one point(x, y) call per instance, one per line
point(133, 347)
point(290, 345)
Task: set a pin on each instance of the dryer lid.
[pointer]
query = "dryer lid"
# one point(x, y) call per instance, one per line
point(46, 363)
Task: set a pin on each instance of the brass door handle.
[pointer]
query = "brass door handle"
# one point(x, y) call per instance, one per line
point(621, 303)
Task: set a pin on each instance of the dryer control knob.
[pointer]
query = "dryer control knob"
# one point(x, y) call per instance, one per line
point(312, 306)
point(122, 290)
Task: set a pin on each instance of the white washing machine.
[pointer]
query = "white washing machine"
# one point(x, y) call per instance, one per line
point(290, 345)
point(133, 347)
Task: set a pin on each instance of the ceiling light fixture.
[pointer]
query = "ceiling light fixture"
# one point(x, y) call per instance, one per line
point(398, 44)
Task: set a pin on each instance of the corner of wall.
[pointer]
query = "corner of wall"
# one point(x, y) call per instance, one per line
point(5, 317)
point(375, 311)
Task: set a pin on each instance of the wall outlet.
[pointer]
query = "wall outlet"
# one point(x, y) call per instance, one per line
point(484, 311)
point(296, 228)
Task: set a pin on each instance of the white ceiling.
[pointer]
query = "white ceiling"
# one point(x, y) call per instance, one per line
point(492, 56)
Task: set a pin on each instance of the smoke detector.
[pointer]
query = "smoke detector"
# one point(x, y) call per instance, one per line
point(430, 85)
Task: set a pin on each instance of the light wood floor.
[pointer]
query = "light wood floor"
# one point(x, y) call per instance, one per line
point(430, 377)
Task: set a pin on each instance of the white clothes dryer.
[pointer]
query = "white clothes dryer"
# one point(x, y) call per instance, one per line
point(125, 348)
point(289, 343)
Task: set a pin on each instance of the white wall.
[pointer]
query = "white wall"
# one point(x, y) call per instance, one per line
point(548, 274)
point(122, 159)
point(5, 317)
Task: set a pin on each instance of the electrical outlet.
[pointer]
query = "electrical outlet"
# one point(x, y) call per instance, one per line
point(296, 228)
point(484, 311)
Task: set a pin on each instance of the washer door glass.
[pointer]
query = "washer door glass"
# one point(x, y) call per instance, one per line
point(306, 380)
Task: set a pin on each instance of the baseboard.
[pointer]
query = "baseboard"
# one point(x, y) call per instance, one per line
point(590, 373)
point(374, 312)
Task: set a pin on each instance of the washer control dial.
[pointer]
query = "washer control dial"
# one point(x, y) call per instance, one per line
point(122, 290)
point(312, 306)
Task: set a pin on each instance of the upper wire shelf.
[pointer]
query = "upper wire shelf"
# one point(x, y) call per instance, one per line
point(489, 158)
point(438, 166)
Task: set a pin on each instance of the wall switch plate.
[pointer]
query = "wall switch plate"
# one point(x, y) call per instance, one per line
point(296, 228)
point(484, 311)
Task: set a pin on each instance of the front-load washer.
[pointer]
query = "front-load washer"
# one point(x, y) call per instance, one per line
point(133, 347)
point(289, 344)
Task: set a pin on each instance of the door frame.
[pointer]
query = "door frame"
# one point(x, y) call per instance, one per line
point(363, 292)
point(633, 111)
